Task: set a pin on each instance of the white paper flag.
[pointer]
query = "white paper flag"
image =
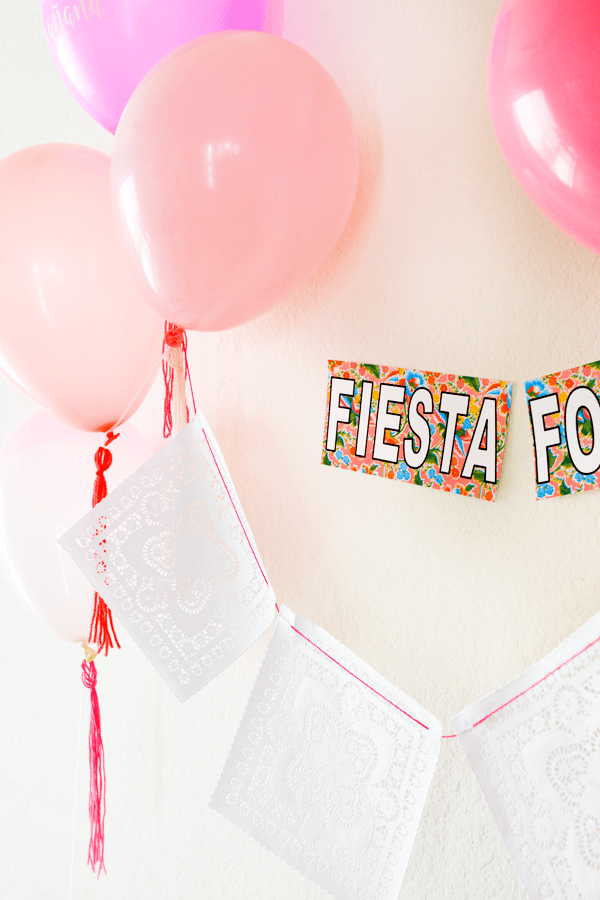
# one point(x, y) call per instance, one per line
point(535, 748)
point(331, 765)
point(171, 553)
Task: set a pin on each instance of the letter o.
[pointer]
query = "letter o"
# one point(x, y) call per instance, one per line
point(583, 398)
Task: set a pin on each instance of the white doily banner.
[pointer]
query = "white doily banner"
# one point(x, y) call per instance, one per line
point(331, 765)
point(171, 553)
point(535, 748)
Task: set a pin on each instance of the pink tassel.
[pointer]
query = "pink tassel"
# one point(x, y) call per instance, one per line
point(97, 801)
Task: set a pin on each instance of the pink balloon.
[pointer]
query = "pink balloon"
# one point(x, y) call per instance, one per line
point(544, 95)
point(76, 336)
point(103, 48)
point(234, 172)
point(47, 476)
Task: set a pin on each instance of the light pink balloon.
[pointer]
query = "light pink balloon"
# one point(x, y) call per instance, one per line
point(544, 95)
point(234, 172)
point(47, 477)
point(76, 336)
point(103, 48)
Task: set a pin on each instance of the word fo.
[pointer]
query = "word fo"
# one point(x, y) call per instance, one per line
point(564, 411)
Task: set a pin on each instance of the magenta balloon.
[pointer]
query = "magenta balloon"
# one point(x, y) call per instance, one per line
point(76, 336)
point(103, 48)
point(234, 172)
point(544, 95)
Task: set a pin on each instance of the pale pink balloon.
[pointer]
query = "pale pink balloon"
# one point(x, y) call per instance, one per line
point(76, 336)
point(47, 474)
point(103, 48)
point(234, 172)
point(544, 95)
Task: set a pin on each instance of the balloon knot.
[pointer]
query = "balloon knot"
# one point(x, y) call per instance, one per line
point(90, 653)
point(110, 437)
point(174, 336)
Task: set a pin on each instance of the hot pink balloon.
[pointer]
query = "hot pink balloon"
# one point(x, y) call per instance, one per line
point(544, 95)
point(76, 336)
point(47, 476)
point(103, 48)
point(234, 172)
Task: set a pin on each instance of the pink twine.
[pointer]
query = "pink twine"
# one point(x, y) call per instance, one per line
point(97, 800)
point(371, 688)
point(235, 509)
point(531, 686)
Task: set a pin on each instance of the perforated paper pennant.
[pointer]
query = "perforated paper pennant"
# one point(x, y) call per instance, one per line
point(331, 765)
point(535, 748)
point(171, 553)
point(447, 432)
point(564, 410)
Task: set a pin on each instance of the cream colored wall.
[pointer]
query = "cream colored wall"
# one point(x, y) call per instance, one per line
point(445, 265)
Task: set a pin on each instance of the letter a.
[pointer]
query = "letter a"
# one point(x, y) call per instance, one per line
point(478, 455)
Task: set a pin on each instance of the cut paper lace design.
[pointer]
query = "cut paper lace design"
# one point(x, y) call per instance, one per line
point(538, 763)
point(172, 554)
point(326, 772)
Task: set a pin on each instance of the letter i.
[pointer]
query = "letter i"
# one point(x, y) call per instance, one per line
point(364, 417)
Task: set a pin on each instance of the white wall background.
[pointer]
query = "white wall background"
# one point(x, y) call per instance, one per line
point(445, 265)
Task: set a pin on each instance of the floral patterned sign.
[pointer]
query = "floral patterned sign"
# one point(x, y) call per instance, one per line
point(564, 411)
point(331, 765)
point(442, 431)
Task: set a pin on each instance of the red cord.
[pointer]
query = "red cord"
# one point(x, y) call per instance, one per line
point(102, 628)
point(97, 798)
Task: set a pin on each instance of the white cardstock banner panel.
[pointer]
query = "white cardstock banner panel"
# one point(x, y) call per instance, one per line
point(537, 758)
point(171, 553)
point(328, 770)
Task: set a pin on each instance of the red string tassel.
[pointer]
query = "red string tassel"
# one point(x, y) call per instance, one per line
point(102, 628)
point(175, 373)
point(97, 800)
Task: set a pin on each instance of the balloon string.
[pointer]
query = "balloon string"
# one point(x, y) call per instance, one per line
point(176, 372)
point(102, 628)
point(189, 377)
point(133, 400)
point(97, 797)
point(77, 769)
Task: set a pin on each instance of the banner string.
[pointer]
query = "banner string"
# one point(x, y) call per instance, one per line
point(125, 414)
point(399, 708)
point(531, 686)
point(235, 509)
point(508, 702)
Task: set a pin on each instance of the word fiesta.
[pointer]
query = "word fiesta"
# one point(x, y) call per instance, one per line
point(442, 431)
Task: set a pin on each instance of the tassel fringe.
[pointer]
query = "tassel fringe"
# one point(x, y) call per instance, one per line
point(97, 798)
